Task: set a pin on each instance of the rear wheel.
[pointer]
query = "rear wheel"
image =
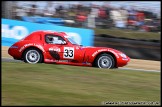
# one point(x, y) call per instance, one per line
point(105, 61)
point(33, 56)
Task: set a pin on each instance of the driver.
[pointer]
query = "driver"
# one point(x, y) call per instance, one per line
point(55, 40)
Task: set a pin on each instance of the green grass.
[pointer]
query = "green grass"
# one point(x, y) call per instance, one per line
point(129, 34)
point(49, 84)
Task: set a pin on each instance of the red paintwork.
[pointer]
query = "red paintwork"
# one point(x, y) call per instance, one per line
point(83, 56)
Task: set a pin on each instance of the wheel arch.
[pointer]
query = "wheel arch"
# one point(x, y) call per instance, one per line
point(105, 52)
point(32, 47)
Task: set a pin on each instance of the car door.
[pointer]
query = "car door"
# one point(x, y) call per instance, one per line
point(54, 46)
point(60, 49)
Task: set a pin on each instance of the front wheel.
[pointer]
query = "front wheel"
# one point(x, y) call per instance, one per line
point(105, 61)
point(33, 56)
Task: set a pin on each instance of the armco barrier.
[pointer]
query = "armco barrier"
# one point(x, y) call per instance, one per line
point(136, 49)
point(13, 30)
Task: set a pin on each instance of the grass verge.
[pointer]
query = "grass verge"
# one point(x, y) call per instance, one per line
point(49, 84)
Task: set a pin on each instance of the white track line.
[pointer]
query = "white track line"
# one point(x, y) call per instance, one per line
point(140, 69)
point(118, 68)
point(7, 58)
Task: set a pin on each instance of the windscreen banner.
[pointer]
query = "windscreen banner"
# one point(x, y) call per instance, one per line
point(13, 30)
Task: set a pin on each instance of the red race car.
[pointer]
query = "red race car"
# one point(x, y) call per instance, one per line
point(59, 48)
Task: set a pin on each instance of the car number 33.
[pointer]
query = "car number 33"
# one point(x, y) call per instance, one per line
point(68, 52)
point(59, 48)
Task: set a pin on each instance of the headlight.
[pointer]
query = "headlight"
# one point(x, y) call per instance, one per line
point(123, 55)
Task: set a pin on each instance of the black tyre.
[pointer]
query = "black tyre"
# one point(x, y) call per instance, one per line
point(105, 61)
point(33, 56)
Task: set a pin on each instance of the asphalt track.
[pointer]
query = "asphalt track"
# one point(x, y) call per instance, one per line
point(123, 68)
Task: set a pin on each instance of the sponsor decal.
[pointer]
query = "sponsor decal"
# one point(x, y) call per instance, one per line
point(16, 32)
point(31, 44)
point(55, 49)
point(113, 53)
point(19, 32)
point(63, 61)
point(26, 45)
point(53, 60)
point(96, 52)
point(101, 50)
point(39, 46)
point(54, 52)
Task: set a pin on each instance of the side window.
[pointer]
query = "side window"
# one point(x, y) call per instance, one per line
point(54, 39)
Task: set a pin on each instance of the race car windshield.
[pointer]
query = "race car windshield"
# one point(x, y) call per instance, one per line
point(72, 41)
